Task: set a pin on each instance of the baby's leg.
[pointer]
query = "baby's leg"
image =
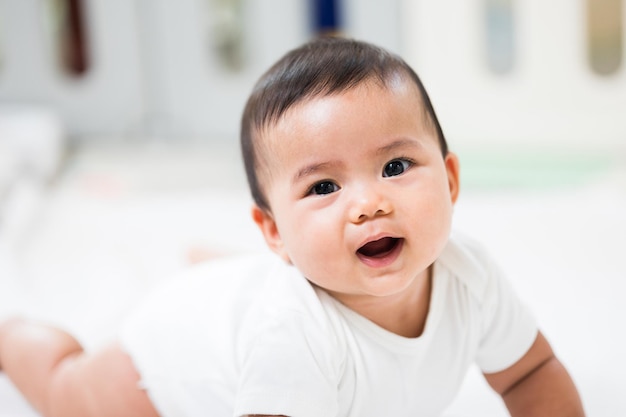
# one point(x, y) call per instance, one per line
point(59, 379)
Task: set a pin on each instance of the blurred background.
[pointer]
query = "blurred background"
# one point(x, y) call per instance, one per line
point(119, 158)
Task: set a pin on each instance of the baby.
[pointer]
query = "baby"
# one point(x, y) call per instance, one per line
point(372, 307)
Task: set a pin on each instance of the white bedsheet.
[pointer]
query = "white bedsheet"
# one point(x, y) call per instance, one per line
point(118, 221)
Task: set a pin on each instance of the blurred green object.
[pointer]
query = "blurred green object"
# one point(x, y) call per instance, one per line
point(530, 169)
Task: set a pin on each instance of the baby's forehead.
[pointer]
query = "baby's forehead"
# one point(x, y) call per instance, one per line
point(322, 115)
point(307, 109)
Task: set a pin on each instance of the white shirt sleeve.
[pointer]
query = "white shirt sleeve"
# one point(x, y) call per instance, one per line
point(288, 371)
point(287, 361)
point(509, 329)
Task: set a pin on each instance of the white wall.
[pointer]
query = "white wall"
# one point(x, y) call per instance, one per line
point(107, 99)
point(191, 91)
point(155, 70)
point(550, 99)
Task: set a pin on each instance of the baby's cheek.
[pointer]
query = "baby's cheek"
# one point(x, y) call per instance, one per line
point(316, 255)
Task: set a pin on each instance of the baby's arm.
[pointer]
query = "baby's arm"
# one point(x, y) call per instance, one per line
point(59, 379)
point(537, 385)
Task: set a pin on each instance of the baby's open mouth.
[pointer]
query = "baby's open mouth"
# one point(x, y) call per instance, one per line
point(379, 248)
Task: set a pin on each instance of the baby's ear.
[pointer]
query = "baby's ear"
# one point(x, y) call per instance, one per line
point(452, 167)
point(268, 227)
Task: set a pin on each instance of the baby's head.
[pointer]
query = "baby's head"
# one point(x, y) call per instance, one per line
point(351, 176)
point(322, 67)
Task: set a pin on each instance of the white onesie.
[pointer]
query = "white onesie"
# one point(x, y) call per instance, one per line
point(251, 336)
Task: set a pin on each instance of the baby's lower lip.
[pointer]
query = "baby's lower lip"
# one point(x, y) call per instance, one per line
point(384, 259)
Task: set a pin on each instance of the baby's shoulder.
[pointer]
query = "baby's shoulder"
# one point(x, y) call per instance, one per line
point(468, 262)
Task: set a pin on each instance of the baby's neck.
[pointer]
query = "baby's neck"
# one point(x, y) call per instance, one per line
point(404, 314)
point(409, 319)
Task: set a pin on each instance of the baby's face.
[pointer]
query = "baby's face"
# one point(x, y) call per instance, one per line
point(360, 194)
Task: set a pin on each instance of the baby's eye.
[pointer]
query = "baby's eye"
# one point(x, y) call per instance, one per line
point(396, 167)
point(324, 187)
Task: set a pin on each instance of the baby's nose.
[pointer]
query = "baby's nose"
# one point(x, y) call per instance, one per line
point(367, 204)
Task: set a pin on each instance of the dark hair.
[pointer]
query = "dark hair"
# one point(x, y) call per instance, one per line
point(321, 67)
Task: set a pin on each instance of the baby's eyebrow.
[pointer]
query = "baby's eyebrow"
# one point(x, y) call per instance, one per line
point(313, 168)
point(400, 143)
